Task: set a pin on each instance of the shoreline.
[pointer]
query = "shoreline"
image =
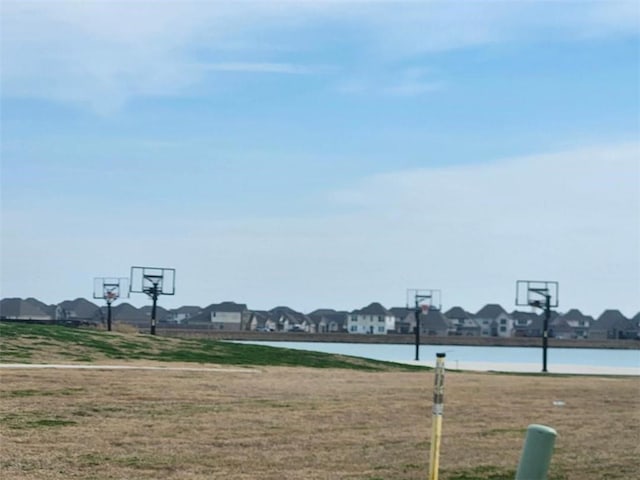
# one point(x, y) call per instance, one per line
point(398, 339)
point(562, 369)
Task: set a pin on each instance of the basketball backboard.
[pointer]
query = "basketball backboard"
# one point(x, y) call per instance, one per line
point(535, 292)
point(424, 299)
point(146, 279)
point(110, 288)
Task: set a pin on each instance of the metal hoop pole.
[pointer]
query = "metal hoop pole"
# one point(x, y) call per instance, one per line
point(154, 296)
point(417, 315)
point(545, 332)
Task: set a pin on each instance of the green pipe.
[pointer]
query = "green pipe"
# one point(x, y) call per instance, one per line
point(536, 453)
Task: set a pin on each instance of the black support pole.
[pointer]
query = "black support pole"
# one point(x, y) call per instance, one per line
point(108, 316)
point(545, 331)
point(154, 296)
point(417, 314)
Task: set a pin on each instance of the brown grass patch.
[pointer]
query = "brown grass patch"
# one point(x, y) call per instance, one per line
point(295, 423)
point(121, 327)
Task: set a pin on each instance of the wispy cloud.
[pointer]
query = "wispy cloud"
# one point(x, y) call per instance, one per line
point(263, 67)
point(406, 82)
point(413, 88)
point(102, 54)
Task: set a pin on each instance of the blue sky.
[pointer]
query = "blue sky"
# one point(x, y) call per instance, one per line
point(323, 154)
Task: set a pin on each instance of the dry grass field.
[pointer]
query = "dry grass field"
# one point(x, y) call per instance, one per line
point(306, 423)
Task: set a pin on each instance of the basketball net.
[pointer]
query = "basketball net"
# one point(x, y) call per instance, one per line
point(110, 296)
point(425, 308)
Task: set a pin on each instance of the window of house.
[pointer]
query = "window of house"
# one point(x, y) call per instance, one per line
point(381, 319)
point(380, 329)
point(354, 328)
point(503, 321)
point(503, 329)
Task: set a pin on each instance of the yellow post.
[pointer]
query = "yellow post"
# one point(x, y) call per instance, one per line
point(438, 410)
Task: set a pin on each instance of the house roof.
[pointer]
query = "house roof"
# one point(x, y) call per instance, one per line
point(47, 309)
point(328, 315)
point(491, 310)
point(41, 305)
point(126, 311)
point(520, 315)
point(82, 307)
point(435, 319)
point(282, 309)
point(457, 313)
point(561, 324)
point(259, 317)
point(322, 311)
point(187, 309)
point(400, 312)
point(289, 314)
point(372, 309)
point(574, 314)
point(339, 318)
point(161, 312)
point(17, 307)
point(612, 319)
point(228, 307)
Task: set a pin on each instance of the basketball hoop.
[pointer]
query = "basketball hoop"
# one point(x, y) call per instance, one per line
point(425, 308)
point(110, 296)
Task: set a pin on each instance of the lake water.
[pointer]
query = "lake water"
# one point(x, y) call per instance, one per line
point(514, 359)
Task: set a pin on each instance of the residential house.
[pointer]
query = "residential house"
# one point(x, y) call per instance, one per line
point(79, 309)
point(327, 320)
point(182, 314)
point(404, 319)
point(573, 324)
point(48, 309)
point(612, 324)
point(161, 313)
point(127, 313)
point(494, 321)
point(288, 320)
point(463, 322)
point(222, 316)
point(435, 323)
point(527, 324)
point(373, 319)
point(229, 316)
point(260, 321)
point(28, 309)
